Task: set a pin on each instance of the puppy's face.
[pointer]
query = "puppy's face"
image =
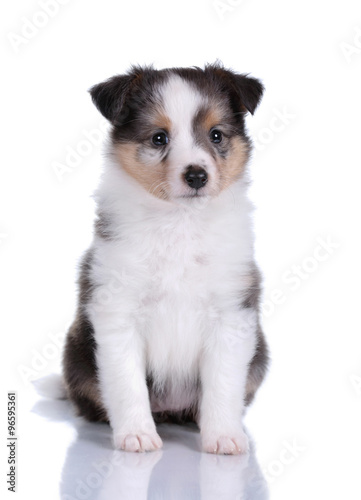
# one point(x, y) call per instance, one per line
point(179, 132)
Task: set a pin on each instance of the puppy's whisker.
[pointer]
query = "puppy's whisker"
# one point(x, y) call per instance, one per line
point(157, 190)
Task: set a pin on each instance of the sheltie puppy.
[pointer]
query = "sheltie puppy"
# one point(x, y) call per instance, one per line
point(168, 317)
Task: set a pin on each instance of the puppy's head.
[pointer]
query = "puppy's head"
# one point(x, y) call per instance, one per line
point(180, 132)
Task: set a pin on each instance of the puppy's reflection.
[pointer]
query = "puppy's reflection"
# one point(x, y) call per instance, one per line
point(93, 470)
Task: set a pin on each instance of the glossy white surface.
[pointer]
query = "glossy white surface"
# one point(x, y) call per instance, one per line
point(64, 457)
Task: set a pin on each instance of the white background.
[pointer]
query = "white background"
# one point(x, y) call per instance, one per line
point(306, 187)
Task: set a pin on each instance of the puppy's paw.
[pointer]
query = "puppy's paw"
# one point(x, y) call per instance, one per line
point(138, 442)
point(234, 444)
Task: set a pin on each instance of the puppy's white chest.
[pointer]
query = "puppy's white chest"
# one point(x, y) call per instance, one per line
point(178, 272)
point(177, 304)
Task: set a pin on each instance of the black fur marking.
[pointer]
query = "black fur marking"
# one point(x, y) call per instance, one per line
point(176, 417)
point(80, 371)
point(86, 286)
point(246, 91)
point(258, 367)
point(110, 96)
point(250, 91)
point(79, 363)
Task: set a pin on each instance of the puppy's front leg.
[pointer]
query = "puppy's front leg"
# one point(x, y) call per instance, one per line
point(122, 379)
point(224, 367)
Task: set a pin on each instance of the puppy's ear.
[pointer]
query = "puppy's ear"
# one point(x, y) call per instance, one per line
point(244, 91)
point(110, 97)
point(250, 91)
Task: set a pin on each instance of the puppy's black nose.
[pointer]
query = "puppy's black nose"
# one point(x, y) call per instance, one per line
point(196, 177)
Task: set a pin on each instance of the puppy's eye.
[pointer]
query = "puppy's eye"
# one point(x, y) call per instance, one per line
point(160, 139)
point(216, 136)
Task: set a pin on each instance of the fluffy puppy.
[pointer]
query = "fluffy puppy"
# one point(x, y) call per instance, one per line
point(167, 323)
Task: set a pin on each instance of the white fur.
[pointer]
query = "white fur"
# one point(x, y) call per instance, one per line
point(50, 386)
point(180, 105)
point(168, 299)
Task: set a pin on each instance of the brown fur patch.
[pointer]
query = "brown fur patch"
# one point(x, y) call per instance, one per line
point(151, 177)
point(211, 118)
point(162, 121)
point(232, 167)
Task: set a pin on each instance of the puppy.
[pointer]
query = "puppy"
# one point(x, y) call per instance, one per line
point(168, 322)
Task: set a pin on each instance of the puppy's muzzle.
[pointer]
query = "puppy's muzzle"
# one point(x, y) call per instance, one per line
point(196, 177)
